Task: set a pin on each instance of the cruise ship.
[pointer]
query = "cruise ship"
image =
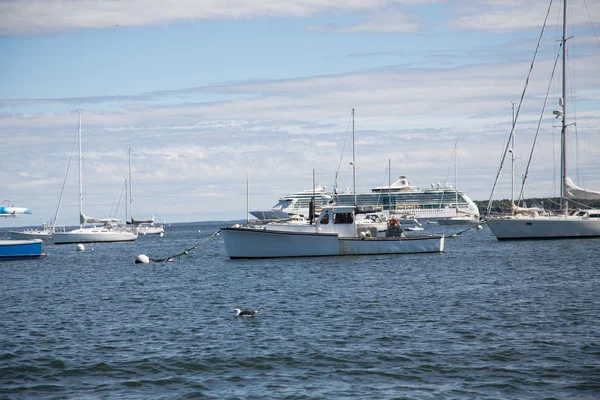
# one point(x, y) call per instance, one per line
point(441, 201)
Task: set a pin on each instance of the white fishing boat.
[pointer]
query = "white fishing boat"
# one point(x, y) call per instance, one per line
point(335, 234)
point(106, 230)
point(535, 223)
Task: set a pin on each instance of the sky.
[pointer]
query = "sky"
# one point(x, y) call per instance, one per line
point(228, 103)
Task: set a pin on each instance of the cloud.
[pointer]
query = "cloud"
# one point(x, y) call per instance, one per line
point(34, 17)
point(516, 15)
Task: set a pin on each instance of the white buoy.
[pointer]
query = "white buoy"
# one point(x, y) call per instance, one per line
point(479, 227)
point(80, 247)
point(162, 234)
point(142, 259)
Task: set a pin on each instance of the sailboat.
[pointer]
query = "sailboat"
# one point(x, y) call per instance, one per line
point(461, 217)
point(144, 227)
point(532, 223)
point(109, 231)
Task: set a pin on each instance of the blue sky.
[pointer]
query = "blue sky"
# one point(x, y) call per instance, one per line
point(206, 92)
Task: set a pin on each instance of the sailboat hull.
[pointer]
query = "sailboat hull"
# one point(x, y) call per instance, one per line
point(544, 228)
point(31, 234)
point(93, 235)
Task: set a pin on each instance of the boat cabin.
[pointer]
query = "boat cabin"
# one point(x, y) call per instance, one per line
point(338, 219)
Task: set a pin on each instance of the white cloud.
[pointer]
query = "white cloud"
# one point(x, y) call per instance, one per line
point(515, 15)
point(47, 16)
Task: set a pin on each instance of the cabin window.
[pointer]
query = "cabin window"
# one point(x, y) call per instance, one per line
point(343, 218)
point(325, 219)
point(594, 215)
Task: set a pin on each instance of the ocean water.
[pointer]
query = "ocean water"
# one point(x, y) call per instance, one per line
point(483, 320)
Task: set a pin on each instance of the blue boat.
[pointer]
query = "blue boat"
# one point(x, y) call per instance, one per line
point(19, 249)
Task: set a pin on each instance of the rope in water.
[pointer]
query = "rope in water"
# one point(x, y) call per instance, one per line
point(468, 229)
point(172, 258)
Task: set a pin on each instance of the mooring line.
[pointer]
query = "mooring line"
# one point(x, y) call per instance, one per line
point(468, 229)
point(140, 258)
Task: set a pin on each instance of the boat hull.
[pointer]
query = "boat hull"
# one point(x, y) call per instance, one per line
point(25, 235)
point(259, 243)
point(457, 221)
point(544, 228)
point(151, 230)
point(19, 249)
point(91, 235)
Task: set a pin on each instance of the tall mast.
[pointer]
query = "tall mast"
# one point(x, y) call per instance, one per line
point(130, 190)
point(248, 198)
point(512, 167)
point(353, 159)
point(563, 132)
point(80, 176)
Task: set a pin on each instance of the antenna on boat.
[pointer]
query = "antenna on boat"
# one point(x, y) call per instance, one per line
point(390, 184)
point(311, 211)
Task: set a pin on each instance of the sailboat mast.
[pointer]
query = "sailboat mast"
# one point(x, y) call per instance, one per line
point(353, 159)
point(80, 176)
point(512, 163)
point(130, 190)
point(247, 198)
point(563, 133)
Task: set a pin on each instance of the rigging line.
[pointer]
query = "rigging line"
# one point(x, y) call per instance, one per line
point(185, 251)
point(383, 183)
point(65, 181)
point(518, 108)
point(337, 172)
point(537, 130)
point(591, 22)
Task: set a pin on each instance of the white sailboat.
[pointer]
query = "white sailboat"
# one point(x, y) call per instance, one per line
point(109, 231)
point(461, 217)
point(144, 227)
point(528, 223)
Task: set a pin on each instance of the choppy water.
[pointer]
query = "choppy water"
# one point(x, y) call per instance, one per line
point(484, 320)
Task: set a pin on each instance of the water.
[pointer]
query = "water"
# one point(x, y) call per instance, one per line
point(485, 320)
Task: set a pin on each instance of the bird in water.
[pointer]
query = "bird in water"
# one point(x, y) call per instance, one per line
point(246, 313)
